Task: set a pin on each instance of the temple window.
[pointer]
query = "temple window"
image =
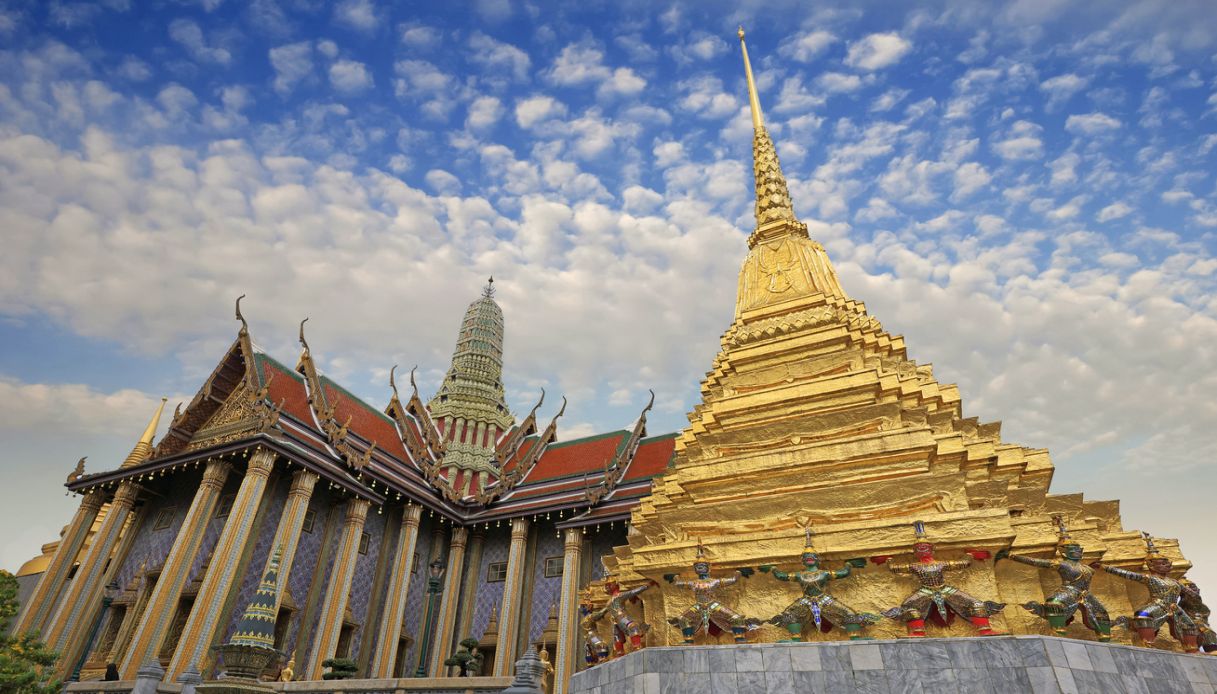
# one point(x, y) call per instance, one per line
point(225, 506)
point(310, 519)
point(553, 567)
point(364, 540)
point(496, 572)
point(165, 518)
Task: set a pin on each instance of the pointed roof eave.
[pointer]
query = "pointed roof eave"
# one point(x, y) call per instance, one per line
point(615, 469)
point(323, 411)
point(510, 442)
point(511, 479)
point(215, 390)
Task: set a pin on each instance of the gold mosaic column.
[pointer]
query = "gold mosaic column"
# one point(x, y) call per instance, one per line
point(163, 603)
point(509, 617)
point(205, 615)
point(445, 626)
point(568, 611)
point(67, 630)
point(329, 626)
point(385, 658)
point(41, 603)
point(291, 523)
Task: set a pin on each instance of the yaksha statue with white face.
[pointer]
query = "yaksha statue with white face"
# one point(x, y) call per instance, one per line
point(816, 606)
point(708, 614)
point(1074, 595)
point(935, 598)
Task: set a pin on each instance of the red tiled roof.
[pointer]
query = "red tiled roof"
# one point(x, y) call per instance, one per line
point(286, 386)
point(366, 422)
point(521, 453)
point(651, 458)
point(577, 457)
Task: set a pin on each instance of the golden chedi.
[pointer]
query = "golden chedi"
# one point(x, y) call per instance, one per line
point(813, 417)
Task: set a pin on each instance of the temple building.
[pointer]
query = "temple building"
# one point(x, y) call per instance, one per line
point(814, 427)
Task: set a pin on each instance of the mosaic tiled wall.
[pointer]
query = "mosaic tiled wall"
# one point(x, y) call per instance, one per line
point(489, 596)
point(365, 576)
point(214, 527)
point(264, 534)
point(546, 592)
point(152, 546)
point(308, 552)
point(418, 585)
point(600, 543)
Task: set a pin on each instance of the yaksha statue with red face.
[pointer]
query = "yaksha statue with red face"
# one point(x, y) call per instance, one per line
point(1164, 594)
point(816, 606)
point(1074, 594)
point(935, 599)
point(624, 626)
point(709, 615)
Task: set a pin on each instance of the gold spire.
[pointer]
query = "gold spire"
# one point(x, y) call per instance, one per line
point(758, 120)
point(772, 197)
point(143, 449)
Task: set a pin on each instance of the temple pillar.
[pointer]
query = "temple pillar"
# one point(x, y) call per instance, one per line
point(445, 625)
point(159, 611)
point(70, 625)
point(329, 625)
point(566, 658)
point(41, 604)
point(207, 611)
point(291, 522)
point(509, 617)
point(384, 660)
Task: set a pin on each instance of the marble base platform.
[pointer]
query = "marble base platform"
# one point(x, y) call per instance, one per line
point(992, 665)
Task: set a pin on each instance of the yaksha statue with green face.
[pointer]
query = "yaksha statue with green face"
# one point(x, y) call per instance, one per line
point(595, 649)
point(1193, 605)
point(708, 614)
point(1074, 594)
point(935, 599)
point(816, 606)
point(1164, 594)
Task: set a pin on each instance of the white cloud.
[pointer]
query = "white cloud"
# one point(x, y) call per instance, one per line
point(1061, 87)
point(877, 51)
point(497, 55)
point(704, 96)
point(420, 36)
point(699, 46)
point(1116, 210)
point(292, 62)
point(577, 64)
point(190, 36)
point(969, 178)
point(484, 112)
point(623, 82)
point(888, 100)
point(537, 109)
point(806, 46)
point(134, 69)
point(839, 82)
point(668, 153)
point(1021, 143)
point(350, 76)
point(443, 182)
point(357, 14)
point(327, 48)
point(1091, 123)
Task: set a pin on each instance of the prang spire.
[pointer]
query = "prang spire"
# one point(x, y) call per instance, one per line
point(143, 448)
point(772, 197)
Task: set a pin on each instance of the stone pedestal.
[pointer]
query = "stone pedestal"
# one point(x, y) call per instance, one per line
point(1001, 665)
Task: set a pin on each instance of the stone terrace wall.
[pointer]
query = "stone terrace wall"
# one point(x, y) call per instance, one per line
point(993, 665)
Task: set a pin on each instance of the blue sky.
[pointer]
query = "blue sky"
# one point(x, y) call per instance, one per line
point(1024, 190)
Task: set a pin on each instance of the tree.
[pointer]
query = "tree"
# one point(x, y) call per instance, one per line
point(340, 669)
point(25, 663)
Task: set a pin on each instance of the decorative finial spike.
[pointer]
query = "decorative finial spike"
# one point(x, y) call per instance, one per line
point(488, 292)
point(561, 410)
point(651, 403)
point(412, 383)
point(244, 325)
point(919, 529)
point(392, 384)
point(754, 103)
point(303, 342)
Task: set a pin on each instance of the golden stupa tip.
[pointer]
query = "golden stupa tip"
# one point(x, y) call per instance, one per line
point(741, 32)
point(754, 103)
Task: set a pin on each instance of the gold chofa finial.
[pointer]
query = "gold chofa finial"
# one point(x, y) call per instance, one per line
point(758, 120)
